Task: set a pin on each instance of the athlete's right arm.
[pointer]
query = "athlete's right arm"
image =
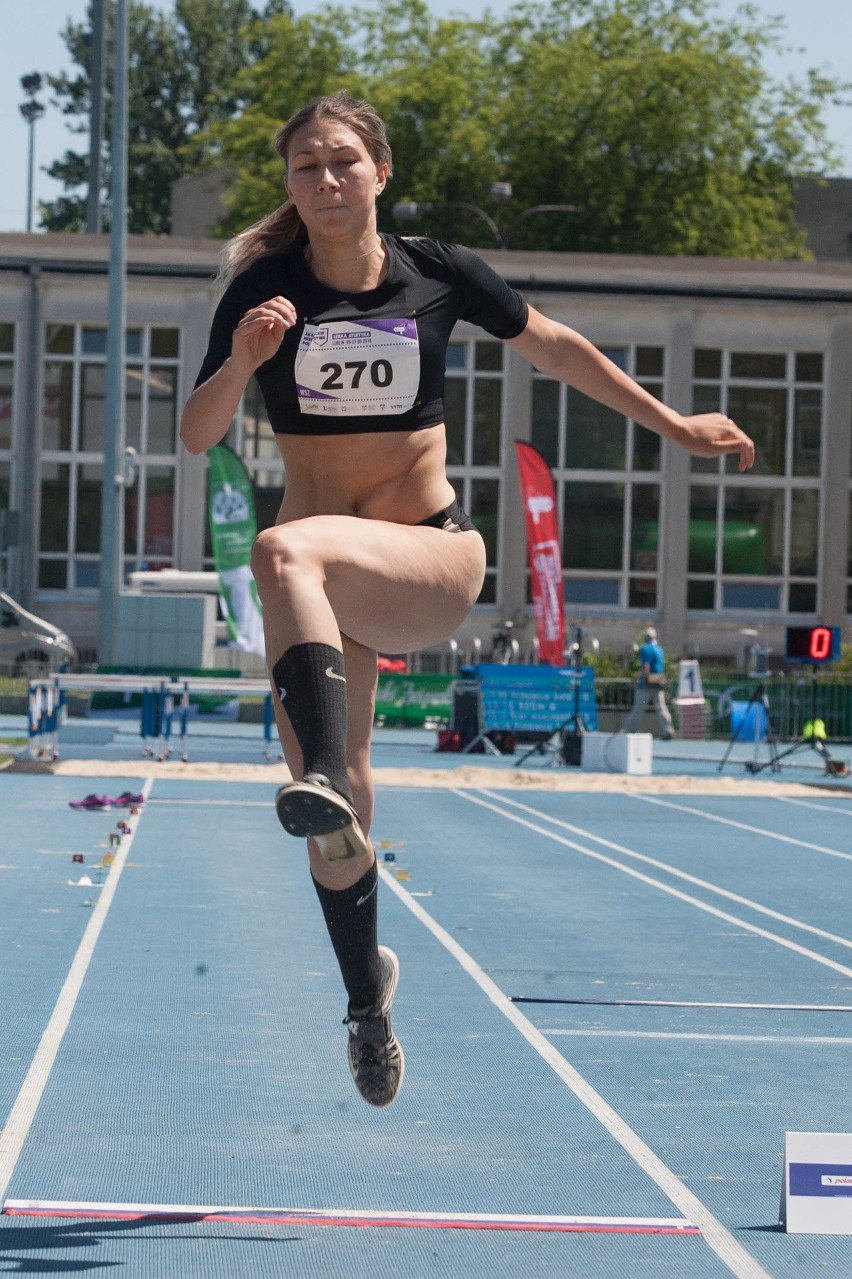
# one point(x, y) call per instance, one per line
point(210, 409)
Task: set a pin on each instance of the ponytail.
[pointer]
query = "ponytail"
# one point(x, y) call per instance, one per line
point(272, 234)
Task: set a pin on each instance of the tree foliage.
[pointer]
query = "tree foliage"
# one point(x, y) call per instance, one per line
point(182, 70)
point(659, 122)
point(655, 119)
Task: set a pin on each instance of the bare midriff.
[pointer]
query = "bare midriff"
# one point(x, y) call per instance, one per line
point(388, 475)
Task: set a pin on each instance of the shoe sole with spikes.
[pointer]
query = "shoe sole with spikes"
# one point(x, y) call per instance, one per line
point(312, 809)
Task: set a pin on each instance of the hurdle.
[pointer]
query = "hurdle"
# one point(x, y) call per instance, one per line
point(162, 698)
point(149, 723)
point(45, 706)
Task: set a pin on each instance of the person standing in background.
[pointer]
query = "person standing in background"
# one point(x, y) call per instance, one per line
point(651, 687)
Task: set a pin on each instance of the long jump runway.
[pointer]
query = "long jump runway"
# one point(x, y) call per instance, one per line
point(613, 1006)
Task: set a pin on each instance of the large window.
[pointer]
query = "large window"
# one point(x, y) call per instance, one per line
point(7, 372)
point(849, 545)
point(607, 474)
point(473, 394)
point(73, 432)
point(754, 538)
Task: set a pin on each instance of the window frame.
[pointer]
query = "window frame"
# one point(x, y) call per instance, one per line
point(723, 478)
point(627, 577)
point(75, 458)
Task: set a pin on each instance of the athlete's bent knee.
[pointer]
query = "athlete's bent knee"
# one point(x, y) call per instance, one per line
point(278, 552)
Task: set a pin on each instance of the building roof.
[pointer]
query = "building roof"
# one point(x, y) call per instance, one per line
point(674, 276)
point(529, 271)
point(146, 254)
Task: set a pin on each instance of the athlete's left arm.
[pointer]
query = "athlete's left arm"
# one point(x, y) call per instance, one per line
point(566, 355)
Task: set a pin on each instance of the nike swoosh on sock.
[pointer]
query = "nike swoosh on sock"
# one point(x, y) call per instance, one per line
point(367, 896)
point(333, 674)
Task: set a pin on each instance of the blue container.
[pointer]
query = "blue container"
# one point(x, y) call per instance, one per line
point(748, 721)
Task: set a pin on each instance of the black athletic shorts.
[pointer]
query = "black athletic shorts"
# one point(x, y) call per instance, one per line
point(453, 518)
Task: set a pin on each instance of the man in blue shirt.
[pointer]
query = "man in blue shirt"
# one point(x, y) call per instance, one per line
point(651, 687)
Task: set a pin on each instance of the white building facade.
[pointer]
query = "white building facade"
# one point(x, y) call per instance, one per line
point(648, 534)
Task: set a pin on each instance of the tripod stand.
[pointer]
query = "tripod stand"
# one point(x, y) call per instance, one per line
point(565, 744)
point(758, 699)
point(833, 767)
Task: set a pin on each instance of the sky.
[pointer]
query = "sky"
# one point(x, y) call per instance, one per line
point(819, 33)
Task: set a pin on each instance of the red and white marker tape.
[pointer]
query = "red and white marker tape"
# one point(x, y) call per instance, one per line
point(352, 1217)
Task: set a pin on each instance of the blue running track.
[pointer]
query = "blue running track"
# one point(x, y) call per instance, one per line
point(613, 1007)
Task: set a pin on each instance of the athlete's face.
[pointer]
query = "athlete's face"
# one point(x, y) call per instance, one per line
point(332, 178)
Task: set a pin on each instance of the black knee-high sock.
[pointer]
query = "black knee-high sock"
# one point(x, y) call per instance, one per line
point(351, 916)
point(311, 682)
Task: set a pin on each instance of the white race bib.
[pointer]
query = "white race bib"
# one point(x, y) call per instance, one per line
point(356, 367)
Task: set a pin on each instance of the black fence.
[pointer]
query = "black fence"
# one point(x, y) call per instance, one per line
point(793, 700)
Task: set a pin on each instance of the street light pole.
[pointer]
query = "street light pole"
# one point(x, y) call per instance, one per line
point(408, 211)
point(411, 211)
point(31, 110)
point(536, 208)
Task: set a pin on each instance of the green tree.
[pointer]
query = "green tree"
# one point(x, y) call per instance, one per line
point(660, 123)
point(655, 118)
point(182, 70)
point(302, 58)
point(429, 78)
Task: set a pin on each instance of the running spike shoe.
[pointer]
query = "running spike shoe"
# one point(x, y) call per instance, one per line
point(376, 1059)
point(314, 809)
point(94, 803)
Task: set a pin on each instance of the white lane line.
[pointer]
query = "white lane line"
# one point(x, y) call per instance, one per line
point(656, 883)
point(212, 803)
point(821, 807)
point(499, 797)
point(752, 830)
point(683, 1034)
point(740, 1262)
point(26, 1103)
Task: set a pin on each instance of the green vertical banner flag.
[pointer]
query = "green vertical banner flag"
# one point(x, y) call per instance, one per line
point(233, 528)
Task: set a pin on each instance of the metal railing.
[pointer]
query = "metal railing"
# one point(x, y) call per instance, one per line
point(448, 658)
point(792, 700)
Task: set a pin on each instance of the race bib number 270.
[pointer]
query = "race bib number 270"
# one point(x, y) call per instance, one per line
point(358, 367)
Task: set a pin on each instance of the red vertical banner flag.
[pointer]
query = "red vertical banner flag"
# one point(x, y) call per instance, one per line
point(548, 594)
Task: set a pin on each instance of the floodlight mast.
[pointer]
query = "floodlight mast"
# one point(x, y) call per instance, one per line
point(96, 119)
point(31, 110)
point(112, 494)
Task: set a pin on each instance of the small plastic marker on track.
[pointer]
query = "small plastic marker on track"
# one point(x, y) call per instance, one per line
point(351, 1217)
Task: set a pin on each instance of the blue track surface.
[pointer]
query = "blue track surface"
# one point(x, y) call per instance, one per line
point(204, 1060)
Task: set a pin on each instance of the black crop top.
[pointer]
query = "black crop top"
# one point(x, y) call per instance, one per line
point(372, 361)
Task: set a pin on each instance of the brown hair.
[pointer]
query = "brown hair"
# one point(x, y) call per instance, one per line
point(283, 226)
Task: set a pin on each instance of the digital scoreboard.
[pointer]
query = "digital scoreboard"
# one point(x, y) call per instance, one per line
point(814, 644)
